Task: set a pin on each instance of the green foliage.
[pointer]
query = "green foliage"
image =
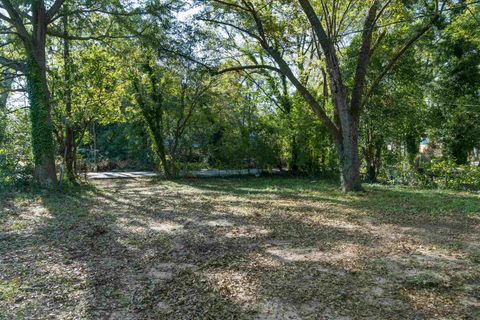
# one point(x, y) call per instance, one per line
point(138, 92)
point(8, 289)
point(126, 142)
point(98, 88)
point(454, 115)
point(446, 174)
point(316, 154)
point(436, 173)
point(16, 162)
point(42, 129)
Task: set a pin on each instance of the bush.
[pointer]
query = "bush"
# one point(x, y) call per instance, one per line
point(437, 173)
point(13, 172)
point(16, 161)
point(445, 174)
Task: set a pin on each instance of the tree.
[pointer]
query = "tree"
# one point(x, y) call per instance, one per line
point(454, 111)
point(167, 98)
point(89, 90)
point(35, 69)
point(31, 24)
point(395, 113)
point(273, 25)
point(69, 141)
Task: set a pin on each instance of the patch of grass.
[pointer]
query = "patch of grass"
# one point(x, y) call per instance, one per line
point(428, 279)
point(399, 199)
point(387, 199)
point(9, 289)
point(15, 227)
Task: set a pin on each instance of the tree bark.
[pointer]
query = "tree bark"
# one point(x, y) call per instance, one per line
point(40, 115)
point(294, 161)
point(6, 85)
point(348, 153)
point(373, 154)
point(161, 152)
point(69, 154)
point(33, 38)
point(38, 92)
point(69, 131)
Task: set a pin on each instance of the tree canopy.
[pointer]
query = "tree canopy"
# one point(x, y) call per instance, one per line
point(368, 91)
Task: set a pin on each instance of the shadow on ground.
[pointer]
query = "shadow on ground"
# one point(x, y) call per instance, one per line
point(255, 248)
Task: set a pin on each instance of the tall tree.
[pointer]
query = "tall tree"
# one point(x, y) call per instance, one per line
point(167, 98)
point(272, 25)
point(455, 108)
point(69, 142)
point(17, 20)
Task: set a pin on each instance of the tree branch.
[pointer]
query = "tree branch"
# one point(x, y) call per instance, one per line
point(241, 68)
point(12, 64)
point(363, 60)
point(54, 9)
point(15, 19)
point(399, 54)
point(231, 25)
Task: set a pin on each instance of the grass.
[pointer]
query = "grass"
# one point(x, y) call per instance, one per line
point(253, 248)
point(8, 289)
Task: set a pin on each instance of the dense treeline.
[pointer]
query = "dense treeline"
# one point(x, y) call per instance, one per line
point(367, 91)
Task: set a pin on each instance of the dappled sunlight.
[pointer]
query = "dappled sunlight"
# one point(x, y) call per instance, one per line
point(344, 254)
point(263, 261)
point(166, 227)
point(235, 284)
point(434, 253)
point(149, 248)
point(248, 231)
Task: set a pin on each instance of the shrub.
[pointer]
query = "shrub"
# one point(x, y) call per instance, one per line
point(437, 173)
point(445, 174)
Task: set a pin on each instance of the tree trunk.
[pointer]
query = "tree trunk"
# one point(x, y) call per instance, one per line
point(6, 85)
point(42, 130)
point(371, 175)
point(69, 132)
point(69, 155)
point(161, 153)
point(373, 161)
point(350, 160)
point(373, 154)
point(39, 97)
point(294, 162)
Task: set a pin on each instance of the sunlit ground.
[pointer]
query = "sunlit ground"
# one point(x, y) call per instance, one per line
point(255, 248)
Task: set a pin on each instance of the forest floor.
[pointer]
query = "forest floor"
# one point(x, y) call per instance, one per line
point(251, 248)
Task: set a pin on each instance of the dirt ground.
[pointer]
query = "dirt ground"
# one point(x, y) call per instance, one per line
point(254, 248)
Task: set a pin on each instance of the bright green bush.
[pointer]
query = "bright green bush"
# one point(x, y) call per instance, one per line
point(445, 174)
point(437, 173)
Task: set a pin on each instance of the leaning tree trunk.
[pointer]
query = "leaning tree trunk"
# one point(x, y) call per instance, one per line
point(40, 117)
